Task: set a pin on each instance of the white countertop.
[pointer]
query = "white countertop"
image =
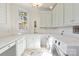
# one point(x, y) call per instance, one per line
point(12, 38)
point(7, 40)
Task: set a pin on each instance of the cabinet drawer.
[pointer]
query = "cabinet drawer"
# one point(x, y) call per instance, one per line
point(6, 47)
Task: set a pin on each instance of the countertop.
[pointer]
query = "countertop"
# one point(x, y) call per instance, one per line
point(8, 39)
point(12, 38)
point(66, 39)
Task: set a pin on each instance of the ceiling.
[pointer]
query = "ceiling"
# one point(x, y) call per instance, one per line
point(43, 7)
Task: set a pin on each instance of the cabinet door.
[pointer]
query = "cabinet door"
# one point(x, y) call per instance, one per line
point(54, 17)
point(33, 42)
point(20, 46)
point(3, 17)
point(68, 14)
point(58, 15)
point(75, 20)
point(45, 19)
point(3, 13)
point(24, 43)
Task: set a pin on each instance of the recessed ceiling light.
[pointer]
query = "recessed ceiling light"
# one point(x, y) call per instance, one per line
point(51, 7)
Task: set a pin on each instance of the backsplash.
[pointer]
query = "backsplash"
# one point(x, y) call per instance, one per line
point(68, 31)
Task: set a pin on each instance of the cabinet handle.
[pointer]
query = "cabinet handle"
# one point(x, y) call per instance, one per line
point(58, 43)
point(72, 20)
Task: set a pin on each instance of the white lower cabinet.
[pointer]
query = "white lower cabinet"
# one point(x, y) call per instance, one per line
point(15, 48)
point(20, 46)
point(33, 42)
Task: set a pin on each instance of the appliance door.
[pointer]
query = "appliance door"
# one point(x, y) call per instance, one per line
point(56, 51)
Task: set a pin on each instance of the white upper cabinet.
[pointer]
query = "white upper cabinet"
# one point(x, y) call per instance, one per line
point(54, 17)
point(75, 20)
point(71, 14)
point(45, 19)
point(3, 17)
point(3, 13)
point(57, 12)
point(68, 14)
